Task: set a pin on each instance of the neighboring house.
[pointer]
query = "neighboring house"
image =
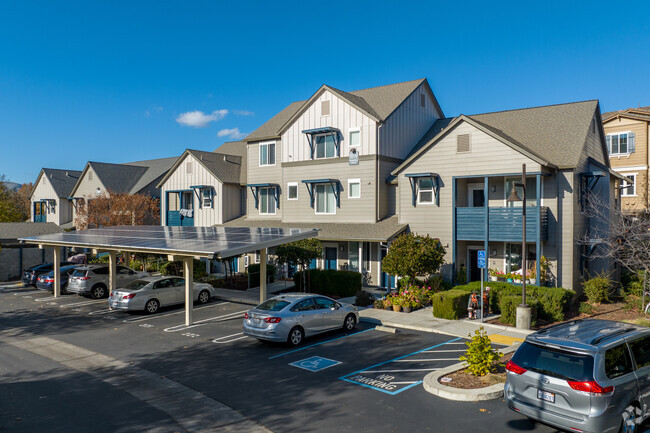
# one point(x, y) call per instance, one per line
point(627, 133)
point(49, 197)
point(101, 178)
point(15, 256)
point(324, 162)
point(455, 184)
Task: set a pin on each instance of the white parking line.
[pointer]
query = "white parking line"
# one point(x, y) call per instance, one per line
point(103, 312)
point(221, 318)
point(404, 383)
point(441, 351)
point(140, 319)
point(426, 359)
point(399, 371)
point(77, 304)
point(229, 338)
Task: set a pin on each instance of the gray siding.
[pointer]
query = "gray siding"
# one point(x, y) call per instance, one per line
point(263, 174)
point(387, 193)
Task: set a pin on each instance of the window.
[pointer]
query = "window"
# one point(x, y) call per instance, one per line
point(257, 256)
point(641, 351)
point(187, 201)
point(325, 199)
point(629, 189)
point(462, 143)
point(354, 188)
point(422, 100)
point(324, 304)
point(306, 305)
point(267, 154)
point(531, 192)
point(425, 190)
point(207, 197)
point(325, 108)
point(267, 200)
point(353, 256)
point(173, 201)
point(188, 167)
point(617, 361)
point(325, 146)
point(553, 362)
point(621, 143)
point(355, 139)
point(51, 207)
point(367, 262)
point(292, 188)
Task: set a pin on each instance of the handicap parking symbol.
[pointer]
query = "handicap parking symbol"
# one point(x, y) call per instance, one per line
point(315, 363)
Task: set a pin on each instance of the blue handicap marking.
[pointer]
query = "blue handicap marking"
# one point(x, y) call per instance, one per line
point(315, 363)
point(481, 258)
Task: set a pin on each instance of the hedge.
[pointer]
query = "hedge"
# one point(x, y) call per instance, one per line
point(451, 304)
point(553, 301)
point(254, 274)
point(330, 282)
point(509, 304)
point(176, 268)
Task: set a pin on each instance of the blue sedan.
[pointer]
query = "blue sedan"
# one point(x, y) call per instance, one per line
point(46, 281)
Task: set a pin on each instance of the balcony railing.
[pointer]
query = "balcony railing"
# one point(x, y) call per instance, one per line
point(504, 224)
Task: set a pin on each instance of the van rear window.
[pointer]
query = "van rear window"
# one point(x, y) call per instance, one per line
point(554, 362)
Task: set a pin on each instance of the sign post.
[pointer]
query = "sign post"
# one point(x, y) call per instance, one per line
point(481, 265)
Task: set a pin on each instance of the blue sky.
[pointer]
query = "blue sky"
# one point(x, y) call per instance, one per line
point(125, 81)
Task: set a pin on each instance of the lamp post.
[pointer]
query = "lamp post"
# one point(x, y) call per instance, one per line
point(523, 311)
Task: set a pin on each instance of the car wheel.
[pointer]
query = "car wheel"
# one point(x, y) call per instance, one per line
point(296, 335)
point(204, 297)
point(631, 419)
point(152, 306)
point(64, 289)
point(98, 292)
point(350, 322)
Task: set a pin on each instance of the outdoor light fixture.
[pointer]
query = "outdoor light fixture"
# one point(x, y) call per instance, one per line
point(493, 188)
point(98, 192)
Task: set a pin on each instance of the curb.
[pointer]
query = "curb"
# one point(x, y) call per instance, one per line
point(434, 387)
point(374, 321)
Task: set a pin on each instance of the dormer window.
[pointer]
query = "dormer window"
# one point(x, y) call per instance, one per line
point(325, 108)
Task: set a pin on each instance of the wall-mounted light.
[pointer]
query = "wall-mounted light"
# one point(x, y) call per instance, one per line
point(493, 188)
point(341, 248)
point(494, 252)
point(98, 192)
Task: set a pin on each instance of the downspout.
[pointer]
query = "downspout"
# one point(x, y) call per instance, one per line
point(378, 127)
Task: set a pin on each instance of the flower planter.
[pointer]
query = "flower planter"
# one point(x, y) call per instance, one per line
point(509, 280)
point(532, 281)
point(493, 278)
point(397, 308)
point(406, 309)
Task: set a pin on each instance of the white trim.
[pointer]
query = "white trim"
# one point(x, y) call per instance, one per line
point(433, 192)
point(259, 202)
point(619, 133)
point(350, 131)
point(635, 167)
point(315, 192)
point(259, 154)
point(290, 184)
point(634, 185)
point(325, 134)
point(350, 181)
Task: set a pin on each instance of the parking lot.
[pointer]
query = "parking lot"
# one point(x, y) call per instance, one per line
point(364, 380)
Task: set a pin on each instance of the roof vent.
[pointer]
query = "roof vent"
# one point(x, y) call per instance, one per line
point(67, 174)
point(51, 175)
point(201, 157)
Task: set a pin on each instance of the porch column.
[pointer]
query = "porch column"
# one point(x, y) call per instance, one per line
point(262, 275)
point(538, 230)
point(57, 271)
point(112, 271)
point(453, 230)
point(188, 273)
point(486, 242)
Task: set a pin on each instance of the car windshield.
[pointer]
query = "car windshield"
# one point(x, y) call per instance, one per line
point(554, 362)
point(273, 305)
point(137, 284)
point(79, 273)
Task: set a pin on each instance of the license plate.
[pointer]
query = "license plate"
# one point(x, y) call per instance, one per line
point(546, 396)
point(257, 321)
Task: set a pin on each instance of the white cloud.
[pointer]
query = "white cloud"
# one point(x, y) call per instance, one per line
point(233, 133)
point(198, 119)
point(243, 112)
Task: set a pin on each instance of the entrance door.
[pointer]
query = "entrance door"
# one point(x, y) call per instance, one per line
point(387, 281)
point(39, 212)
point(475, 195)
point(474, 270)
point(330, 257)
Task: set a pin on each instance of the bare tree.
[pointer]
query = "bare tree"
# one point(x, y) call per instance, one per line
point(116, 210)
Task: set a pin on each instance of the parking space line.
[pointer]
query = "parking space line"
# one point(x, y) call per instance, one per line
point(442, 351)
point(198, 323)
point(427, 359)
point(78, 304)
point(102, 312)
point(229, 339)
point(320, 342)
point(22, 292)
point(400, 371)
point(171, 313)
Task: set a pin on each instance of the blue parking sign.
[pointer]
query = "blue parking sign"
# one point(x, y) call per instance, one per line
point(481, 259)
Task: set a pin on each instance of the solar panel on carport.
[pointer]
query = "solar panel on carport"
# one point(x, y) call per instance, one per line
point(210, 242)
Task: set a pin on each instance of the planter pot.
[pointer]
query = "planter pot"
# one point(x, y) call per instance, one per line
point(509, 280)
point(532, 281)
point(492, 278)
point(389, 307)
point(397, 308)
point(406, 309)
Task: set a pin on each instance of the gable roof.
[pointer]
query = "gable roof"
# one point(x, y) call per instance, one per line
point(227, 168)
point(552, 135)
point(62, 181)
point(155, 169)
point(639, 113)
point(378, 103)
point(13, 231)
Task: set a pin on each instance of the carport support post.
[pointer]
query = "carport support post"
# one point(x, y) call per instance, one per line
point(57, 272)
point(112, 271)
point(188, 273)
point(262, 275)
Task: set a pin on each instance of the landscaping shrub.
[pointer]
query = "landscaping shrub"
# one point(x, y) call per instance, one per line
point(586, 308)
point(480, 357)
point(450, 304)
point(254, 274)
point(175, 268)
point(598, 289)
point(330, 282)
point(363, 298)
point(509, 304)
point(632, 282)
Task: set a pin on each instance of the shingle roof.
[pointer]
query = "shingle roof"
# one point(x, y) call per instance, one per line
point(238, 148)
point(378, 102)
point(381, 231)
point(118, 178)
point(62, 180)
point(641, 113)
point(156, 168)
point(13, 231)
point(435, 129)
point(225, 167)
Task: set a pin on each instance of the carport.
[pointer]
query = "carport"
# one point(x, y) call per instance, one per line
point(177, 243)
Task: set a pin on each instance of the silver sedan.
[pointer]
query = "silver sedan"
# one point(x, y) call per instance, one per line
point(152, 293)
point(293, 316)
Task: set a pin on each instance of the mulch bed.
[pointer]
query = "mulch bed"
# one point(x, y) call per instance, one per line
point(465, 380)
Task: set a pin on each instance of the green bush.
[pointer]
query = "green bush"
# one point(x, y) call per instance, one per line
point(363, 298)
point(175, 268)
point(598, 289)
point(254, 274)
point(330, 282)
point(509, 304)
point(480, 357)
point(632, 282)
point(586, 308)
point(451, 304)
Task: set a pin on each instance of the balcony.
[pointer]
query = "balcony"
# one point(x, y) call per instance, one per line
point(504, 224)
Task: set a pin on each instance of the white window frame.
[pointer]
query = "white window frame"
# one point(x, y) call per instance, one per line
point(325, 144)
point(328, 187)
point(433, 191)
point(269, 197)
point(289, 185)
point(625, 192)
point(627, 140)
point(350, 131)
point(207, 199)
point(353, 181)
point(266, 146)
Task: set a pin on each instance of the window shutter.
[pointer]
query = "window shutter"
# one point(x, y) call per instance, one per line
point(630, 142)
point(462, 143)
point(608, 140)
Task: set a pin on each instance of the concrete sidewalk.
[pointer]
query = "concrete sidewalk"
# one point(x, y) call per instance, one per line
point(251, 296)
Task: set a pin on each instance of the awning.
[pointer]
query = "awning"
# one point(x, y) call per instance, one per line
point(255, 191)
point(589, 181)
point(435, 179)
point(198, 190)
point(310, 188)
point(325, 130)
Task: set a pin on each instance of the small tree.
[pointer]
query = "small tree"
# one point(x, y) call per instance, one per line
point(410, 255)
point(12, 207)
point(480, 357)
point(117, 210)
point(300, 253)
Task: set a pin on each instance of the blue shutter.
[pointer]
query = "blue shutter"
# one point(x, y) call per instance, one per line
point(630, 142)
point(608, 140)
